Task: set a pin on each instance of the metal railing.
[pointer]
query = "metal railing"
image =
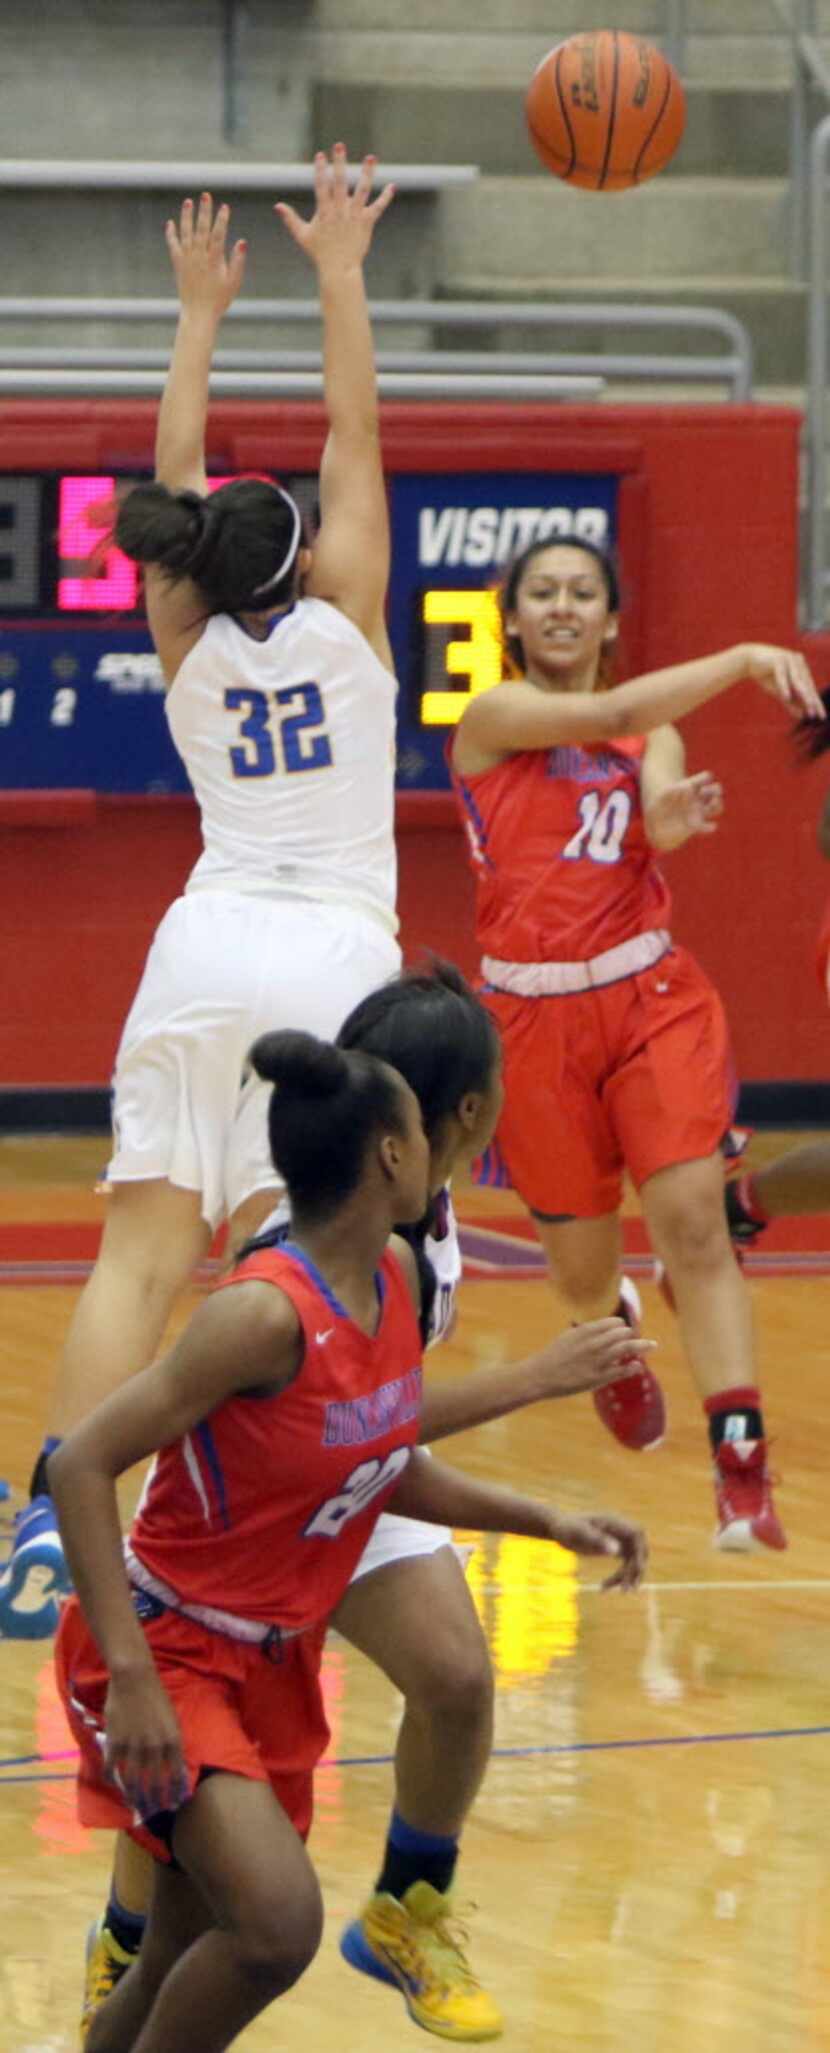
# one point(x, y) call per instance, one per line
point(808, 192)
point(496, 373)
point(808, 173)
point(116, 174)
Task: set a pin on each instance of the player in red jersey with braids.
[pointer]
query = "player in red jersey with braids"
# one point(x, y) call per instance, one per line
point(287, 1416)
point(615, 1044)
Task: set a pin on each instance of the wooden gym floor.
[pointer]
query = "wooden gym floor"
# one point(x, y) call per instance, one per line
point(649, 1852)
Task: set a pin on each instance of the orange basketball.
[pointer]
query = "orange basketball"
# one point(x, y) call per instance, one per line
point(605, 110)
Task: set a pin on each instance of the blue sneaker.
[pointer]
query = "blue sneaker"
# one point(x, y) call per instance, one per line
point(35, 1575)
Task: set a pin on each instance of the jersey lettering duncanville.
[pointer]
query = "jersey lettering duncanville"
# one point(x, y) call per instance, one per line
point(584, 766)
point(352, 1421)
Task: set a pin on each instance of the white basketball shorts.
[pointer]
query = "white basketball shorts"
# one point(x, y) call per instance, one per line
point(222, 969)
point(398, 1539)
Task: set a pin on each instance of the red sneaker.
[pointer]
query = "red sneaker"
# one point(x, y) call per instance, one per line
point(747, 1517)
point(632, 1408)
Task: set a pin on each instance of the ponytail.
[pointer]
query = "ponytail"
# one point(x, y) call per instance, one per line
point(167, 528)
point(239, 544)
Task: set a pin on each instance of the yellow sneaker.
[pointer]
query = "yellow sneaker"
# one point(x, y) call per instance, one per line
point(106, 1962)
point(418, 1947)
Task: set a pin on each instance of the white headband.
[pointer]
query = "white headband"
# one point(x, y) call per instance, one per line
point(296, 536)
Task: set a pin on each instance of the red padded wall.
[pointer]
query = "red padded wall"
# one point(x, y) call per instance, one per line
point(708, 538)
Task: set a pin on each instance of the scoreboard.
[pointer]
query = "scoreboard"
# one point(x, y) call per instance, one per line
point(81, 692)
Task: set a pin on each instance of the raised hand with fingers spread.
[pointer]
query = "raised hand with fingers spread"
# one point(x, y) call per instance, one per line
point(341, 228)
point(208, 275)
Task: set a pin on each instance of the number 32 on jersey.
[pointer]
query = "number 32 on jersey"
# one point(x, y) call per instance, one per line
point(602, 832)
point(291, 720)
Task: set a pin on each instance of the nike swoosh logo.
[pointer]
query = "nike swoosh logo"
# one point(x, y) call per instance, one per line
point(320, 1337)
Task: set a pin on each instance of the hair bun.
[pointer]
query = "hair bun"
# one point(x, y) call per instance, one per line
point(309, 1065)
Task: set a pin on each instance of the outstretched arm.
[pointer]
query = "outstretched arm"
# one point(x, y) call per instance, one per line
point(518, 716)
point(351, 554)
point(585, 1358)
point(443, 1496)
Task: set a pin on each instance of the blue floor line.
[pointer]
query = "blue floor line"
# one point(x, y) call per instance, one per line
point(504, 1753)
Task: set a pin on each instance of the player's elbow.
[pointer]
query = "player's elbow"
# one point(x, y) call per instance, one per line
point(617, 718)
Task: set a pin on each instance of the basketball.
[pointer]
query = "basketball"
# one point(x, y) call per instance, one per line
point(605, 110)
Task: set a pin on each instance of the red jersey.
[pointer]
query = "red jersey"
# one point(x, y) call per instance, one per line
point(264, 1509)
point(562, 865)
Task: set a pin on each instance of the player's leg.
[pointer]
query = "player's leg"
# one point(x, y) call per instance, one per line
point(672, 1102)
point(115, 1938)
point(154, 1235)
point(562, 1156)
point(443, 1674)
point(414, 1617)
point(177, 1915)
point(152, 1239)
point(242, 1856)
point(584, 1258)
point(797, 1182)
point(176, 1081)
point(683, 1207)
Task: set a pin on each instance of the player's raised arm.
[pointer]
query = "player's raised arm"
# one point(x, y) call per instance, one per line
point(351, 556)
point(208, 278)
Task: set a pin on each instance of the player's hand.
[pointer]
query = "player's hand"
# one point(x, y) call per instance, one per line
point(785, 675)
point(143, 1750)
point(341, 228)
point(589, 1356)
point(691, 806)
point(207, 276)
point(604, 1533)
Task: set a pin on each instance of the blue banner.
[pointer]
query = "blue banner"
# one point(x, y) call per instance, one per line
point(455, 532)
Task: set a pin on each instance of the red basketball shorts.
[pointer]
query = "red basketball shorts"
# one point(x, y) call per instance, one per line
point(636, 1074)
point(238, 1711)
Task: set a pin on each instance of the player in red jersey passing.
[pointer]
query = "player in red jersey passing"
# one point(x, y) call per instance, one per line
point(615, 1044)
point(286, 1416)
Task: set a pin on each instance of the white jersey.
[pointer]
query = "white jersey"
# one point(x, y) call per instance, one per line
point(442, 1249)
point(289, 744)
